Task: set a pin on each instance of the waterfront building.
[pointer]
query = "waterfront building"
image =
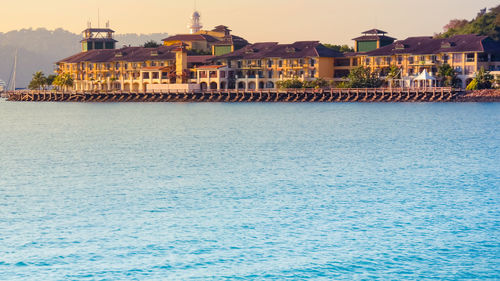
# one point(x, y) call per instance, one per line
point(131, 68)
point(465, 53)
point(261, 65)
point(215, 59)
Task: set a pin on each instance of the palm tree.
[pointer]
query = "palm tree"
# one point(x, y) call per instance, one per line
point(64, 80)
point(447, 75)
point(38, 81)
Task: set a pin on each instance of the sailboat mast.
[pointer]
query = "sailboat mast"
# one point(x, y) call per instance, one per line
point(14, 70)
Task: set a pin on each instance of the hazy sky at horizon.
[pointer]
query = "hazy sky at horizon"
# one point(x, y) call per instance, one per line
point(329, 21)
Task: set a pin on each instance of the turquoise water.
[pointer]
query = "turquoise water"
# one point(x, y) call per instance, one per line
point(249, 191)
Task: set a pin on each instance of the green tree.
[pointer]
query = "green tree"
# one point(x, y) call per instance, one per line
point(362, 77)
point(483, 80)
point(64, 81)
point(486, 23)
point(340, 48)
point(316, 84)
point(50, 79)
point(448, 76)
point(38, 81)
point(289, 84)
point(151, 44)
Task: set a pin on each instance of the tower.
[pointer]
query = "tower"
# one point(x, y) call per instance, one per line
point(195, 24)
point(98, 38)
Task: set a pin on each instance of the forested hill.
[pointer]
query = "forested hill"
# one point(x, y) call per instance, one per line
point(39, 49)
point(487, 22)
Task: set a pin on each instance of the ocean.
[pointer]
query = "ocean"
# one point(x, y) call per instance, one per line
point(249, 191)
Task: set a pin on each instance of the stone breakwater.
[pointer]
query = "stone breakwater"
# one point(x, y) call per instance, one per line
point(308, 95)
point(490, 95)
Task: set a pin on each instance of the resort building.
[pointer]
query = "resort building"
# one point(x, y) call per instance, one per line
point(215, 59)
point(261, 65)
point(465, 53)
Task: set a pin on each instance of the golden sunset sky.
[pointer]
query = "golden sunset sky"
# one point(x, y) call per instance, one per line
point(330, 21)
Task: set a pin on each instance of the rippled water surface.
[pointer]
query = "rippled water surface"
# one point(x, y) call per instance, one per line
point(249, 191)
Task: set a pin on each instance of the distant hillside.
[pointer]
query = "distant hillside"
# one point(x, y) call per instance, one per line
point(485, 23)
point(40, 48)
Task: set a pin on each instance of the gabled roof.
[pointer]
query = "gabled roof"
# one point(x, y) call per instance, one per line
point(374, 31)
point(191, 37)
point(299, 49)
point(428, 45)
point(129, 54)
point(372, 37)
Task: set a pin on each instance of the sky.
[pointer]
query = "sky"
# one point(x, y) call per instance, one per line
point(329, 21)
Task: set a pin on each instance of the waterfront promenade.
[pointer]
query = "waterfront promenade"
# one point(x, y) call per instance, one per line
point(442, 94)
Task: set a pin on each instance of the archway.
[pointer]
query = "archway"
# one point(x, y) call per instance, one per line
point(126, 87)
point(203, 86)
point(223, 85)
point(251, 85)
point(241, 85)
point(135, 87)
point(213, 85)
point(261, 85)
point(270, 85)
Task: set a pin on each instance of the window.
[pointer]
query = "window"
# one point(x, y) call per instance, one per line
point(213, 74)
point(422, 59)
point(367, 61)
point(400, 59)
point(259, 63)
point(239, 64)
point(203, 74)
point(270, 74)
point(156, 75)
point(153, 63)
point(280, 63)
point(457, 58)
point(470, 57)
point(411, 60)
point(145, 75)
point(445, 58)
point(377, 61)
point(222, 74)
point(313, 62)
point(269, 63)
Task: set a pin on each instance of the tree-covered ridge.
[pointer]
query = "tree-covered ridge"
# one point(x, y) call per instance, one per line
point(485, 23)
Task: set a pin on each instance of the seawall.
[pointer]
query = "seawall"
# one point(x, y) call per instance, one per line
point(291, 95)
